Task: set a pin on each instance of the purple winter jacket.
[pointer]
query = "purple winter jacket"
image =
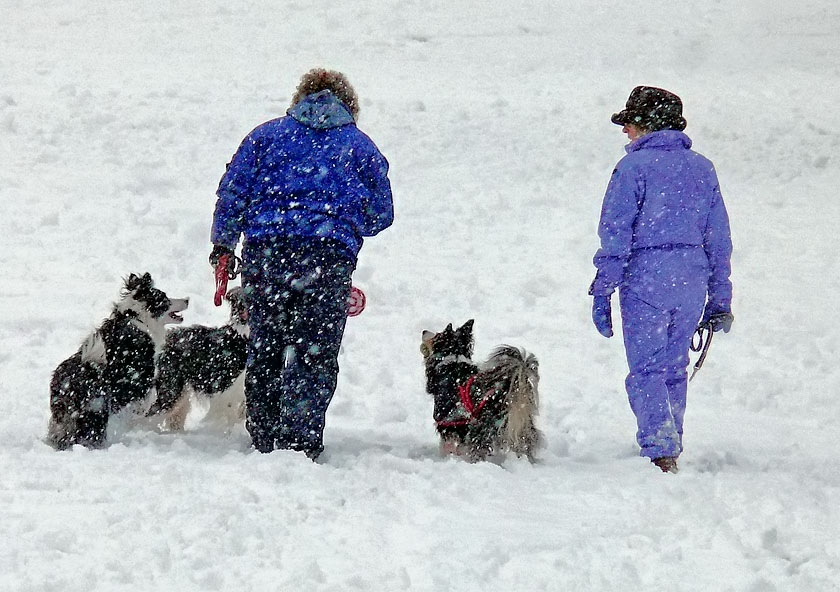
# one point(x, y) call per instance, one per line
point(662, 195)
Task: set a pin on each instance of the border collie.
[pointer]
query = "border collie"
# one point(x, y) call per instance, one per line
point(481, 411)
point(113, 368)
point(206, 362)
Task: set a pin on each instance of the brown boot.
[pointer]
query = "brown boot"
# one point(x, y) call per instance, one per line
point(668, 464)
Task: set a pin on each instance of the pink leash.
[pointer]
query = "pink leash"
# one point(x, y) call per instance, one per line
point(222, 277)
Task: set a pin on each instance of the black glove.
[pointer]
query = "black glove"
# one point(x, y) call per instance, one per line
point(716, 319)
point(721, 321)
point(217, 253)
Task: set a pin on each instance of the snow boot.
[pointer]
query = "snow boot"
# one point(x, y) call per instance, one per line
point(668, 464)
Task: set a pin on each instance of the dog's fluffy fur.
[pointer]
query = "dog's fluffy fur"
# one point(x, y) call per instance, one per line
point(113, 368)
point(486, 410)
point(207, 362)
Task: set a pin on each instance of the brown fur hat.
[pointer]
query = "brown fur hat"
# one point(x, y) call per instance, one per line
point(319, 79)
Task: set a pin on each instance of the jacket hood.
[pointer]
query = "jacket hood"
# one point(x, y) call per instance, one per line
point(661, 140)
point(321, 110)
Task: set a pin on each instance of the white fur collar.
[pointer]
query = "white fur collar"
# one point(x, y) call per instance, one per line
point(143, 320)
point(154, 328)
point(453, 359)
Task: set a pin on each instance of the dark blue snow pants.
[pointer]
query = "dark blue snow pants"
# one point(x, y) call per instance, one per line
point(662, 298)
point(297, 300)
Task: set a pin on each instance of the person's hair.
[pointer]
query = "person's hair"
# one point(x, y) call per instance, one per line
point(643, 130)
point(319, 79)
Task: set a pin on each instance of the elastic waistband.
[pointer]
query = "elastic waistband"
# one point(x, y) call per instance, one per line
point(667, 247)
point(300, 245)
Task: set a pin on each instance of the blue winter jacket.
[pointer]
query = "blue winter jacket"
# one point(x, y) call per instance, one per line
point(662, 195)
point(311, 174)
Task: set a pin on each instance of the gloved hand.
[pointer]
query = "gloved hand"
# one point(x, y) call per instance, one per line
point(716, 318)
point(602, 315)
point(217, 253)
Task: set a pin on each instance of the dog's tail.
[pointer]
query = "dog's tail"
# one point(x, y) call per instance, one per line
point(519, 432)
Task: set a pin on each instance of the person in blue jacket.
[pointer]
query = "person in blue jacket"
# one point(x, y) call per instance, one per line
point(665, 244)
point(304, 190)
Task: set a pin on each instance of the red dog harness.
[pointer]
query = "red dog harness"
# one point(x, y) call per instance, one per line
point(468, 404)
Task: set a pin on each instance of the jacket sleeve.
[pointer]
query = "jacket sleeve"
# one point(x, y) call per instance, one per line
point(233, 195)
point(618, 214)
point(378, 207)
point(717, 242)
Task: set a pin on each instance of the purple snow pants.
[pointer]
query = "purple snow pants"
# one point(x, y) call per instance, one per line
point(662, 297)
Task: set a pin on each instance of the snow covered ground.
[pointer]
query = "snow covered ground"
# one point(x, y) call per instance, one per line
point(117, 120)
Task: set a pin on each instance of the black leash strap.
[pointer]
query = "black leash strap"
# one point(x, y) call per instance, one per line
point(234, 268)
point(701, 341)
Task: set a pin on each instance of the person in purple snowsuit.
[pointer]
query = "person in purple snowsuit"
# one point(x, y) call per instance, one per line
point(304, 190)
point(665, 244)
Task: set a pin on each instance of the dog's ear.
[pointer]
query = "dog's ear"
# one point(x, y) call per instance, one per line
point(465, 337)
point(132, 282)
point(146, 280)
point(448, 328)
point(464, 332)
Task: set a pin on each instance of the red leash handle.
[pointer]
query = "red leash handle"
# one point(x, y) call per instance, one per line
point(221, 279)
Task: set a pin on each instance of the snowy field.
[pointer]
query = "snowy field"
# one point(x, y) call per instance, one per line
point(117, 119)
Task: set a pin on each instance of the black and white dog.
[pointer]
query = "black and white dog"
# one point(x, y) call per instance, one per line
point(207, 362)
point(481, 411)
point(114, 367)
